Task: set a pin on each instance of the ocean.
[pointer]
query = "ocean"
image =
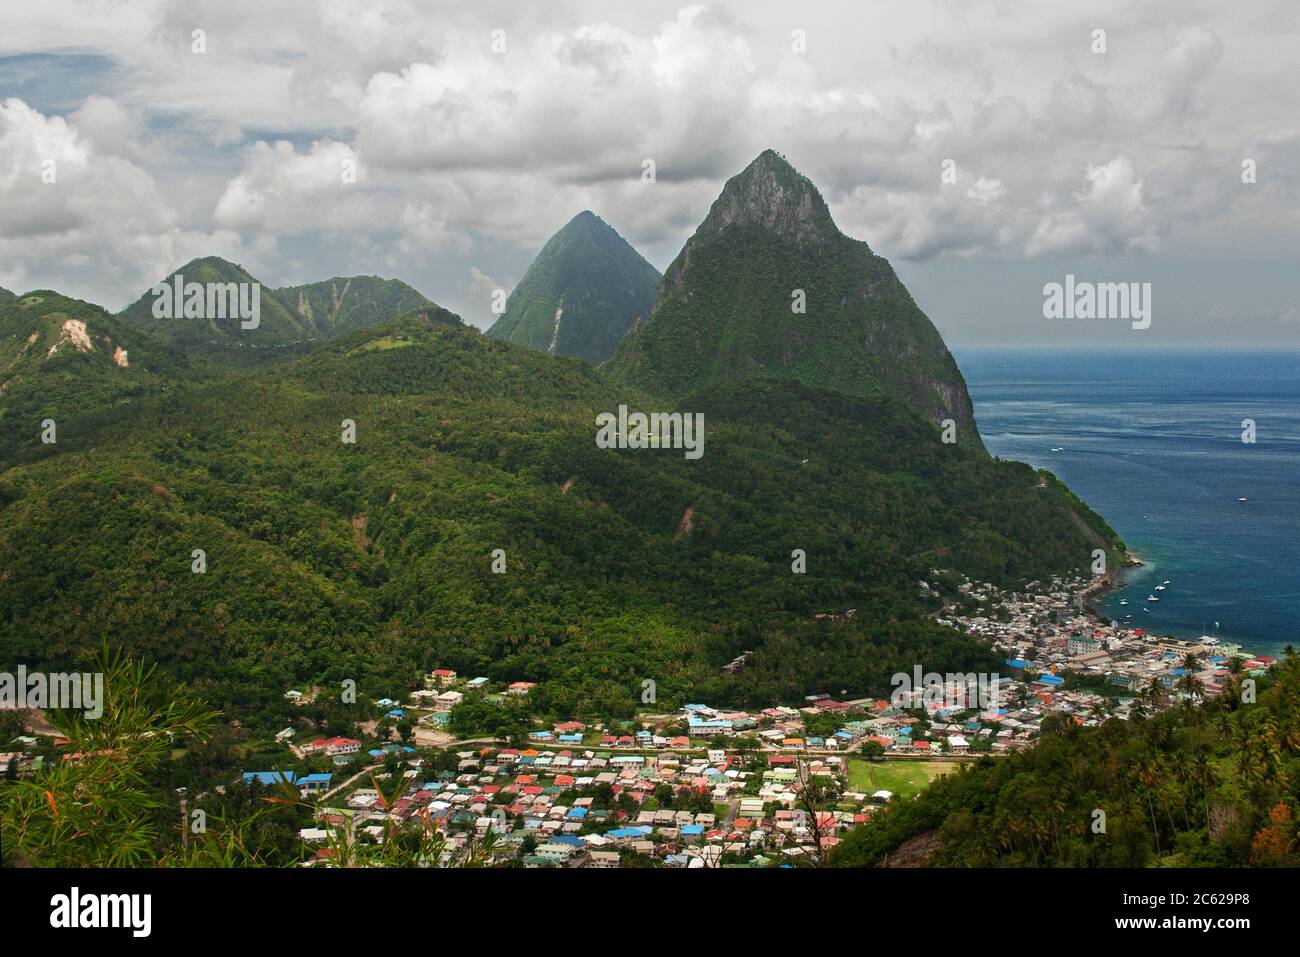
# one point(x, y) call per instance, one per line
point(1152, 441)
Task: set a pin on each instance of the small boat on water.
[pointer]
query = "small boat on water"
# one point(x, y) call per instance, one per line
point(1123, 601)
point(1242, 499)
point(1160, 588)
point(1165, 582)
point(1152, 598)
point(1058, 450)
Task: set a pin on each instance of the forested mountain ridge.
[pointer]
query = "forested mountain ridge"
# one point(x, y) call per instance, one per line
point(372, 561)
point(276, 326)
point(335, 306)
point(289, 316)
point(768, 285)
point(583, 292)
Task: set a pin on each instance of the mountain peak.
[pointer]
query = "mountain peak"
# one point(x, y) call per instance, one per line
point(220, 265)
point(585, 289)
point(772, 194)
point(768, 286)
point(287, 316)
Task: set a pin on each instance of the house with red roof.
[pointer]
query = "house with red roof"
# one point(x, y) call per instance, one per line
point(334, 746)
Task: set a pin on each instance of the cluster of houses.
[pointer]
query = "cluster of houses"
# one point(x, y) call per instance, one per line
point(584, 795)
point(1047, 635)
point(894, 727)
point(590, 808)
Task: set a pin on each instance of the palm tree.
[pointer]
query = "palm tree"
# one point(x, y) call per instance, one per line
point(1149, 773)
point(1155, 693)
point(1204, 774)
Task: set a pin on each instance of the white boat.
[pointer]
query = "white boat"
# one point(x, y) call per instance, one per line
point(1123, 601)
point(1241, 499)
point(1152, 598)
point(1160, 588)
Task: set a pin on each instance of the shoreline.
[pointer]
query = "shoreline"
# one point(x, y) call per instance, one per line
point(1088, 599)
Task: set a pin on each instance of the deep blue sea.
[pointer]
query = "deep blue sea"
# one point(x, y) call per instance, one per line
point(1152, 441)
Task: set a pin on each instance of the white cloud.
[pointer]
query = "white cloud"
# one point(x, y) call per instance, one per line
point(469, 159)
point(1108, 216)
point(283, 190)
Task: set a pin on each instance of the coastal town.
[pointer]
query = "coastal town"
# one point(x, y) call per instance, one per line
point(702, 786)
point(708, 787)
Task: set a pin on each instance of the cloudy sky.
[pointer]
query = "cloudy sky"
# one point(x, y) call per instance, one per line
point(477, 130)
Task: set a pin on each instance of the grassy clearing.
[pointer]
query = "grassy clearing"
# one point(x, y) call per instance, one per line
point(904, 778)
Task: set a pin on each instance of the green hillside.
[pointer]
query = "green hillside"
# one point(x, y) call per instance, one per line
point(6, 296)
point(338, 305)
point(1204, 786)
point(372, 561)
point(60, 357)
point(289, 317)
point(583, 292)
point(725, 307)
point(277, 326)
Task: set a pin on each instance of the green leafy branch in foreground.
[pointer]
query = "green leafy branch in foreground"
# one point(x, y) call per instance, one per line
point(94, 807)
point(97, 807)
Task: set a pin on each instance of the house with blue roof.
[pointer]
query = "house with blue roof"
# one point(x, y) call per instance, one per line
point(700, 727)
point(271, 778)
point(628, 833)
point(314, 783)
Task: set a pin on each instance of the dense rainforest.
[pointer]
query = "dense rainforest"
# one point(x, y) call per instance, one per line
point(372, 560)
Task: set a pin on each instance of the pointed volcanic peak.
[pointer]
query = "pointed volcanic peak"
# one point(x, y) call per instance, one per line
point(584, 291)
point(769, 286)
point(213, 304)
